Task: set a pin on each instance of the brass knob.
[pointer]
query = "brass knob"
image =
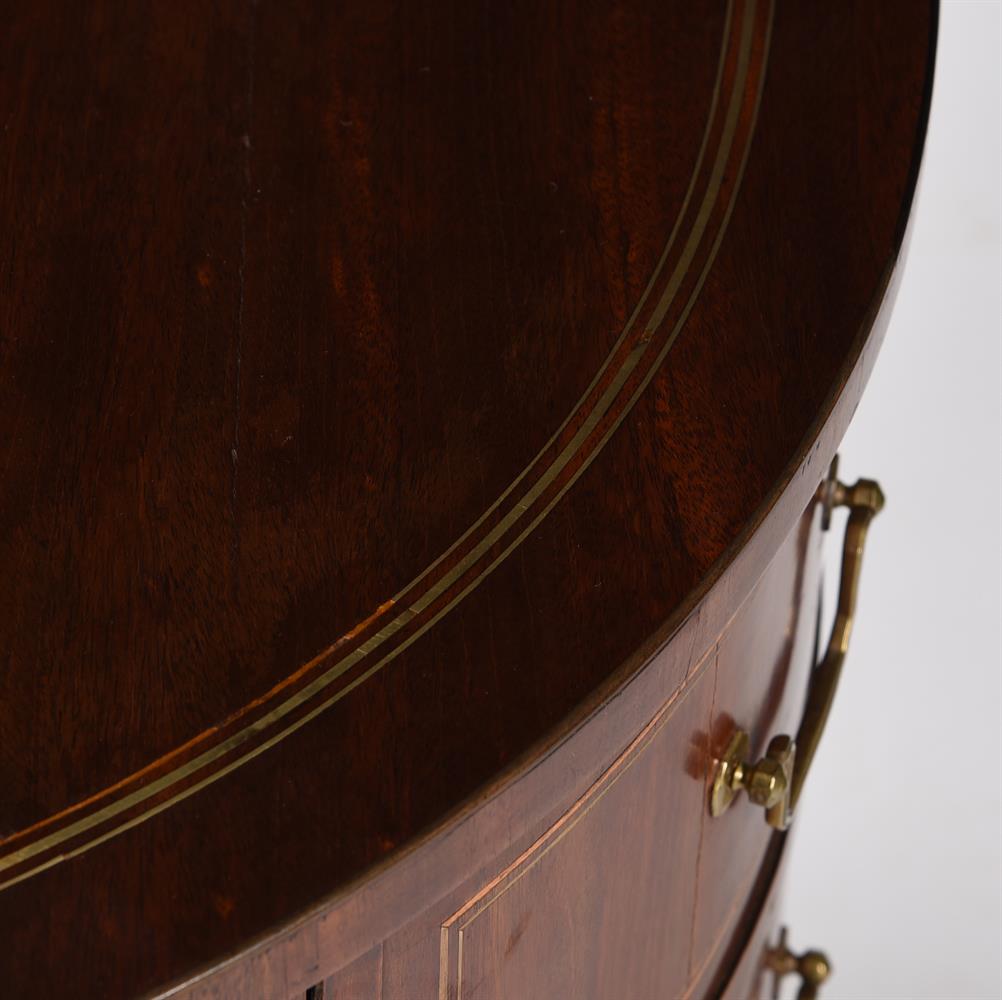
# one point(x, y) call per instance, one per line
point(812, 966)
point(767, 783)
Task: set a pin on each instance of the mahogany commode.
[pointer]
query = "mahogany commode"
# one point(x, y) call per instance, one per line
point(416, 423)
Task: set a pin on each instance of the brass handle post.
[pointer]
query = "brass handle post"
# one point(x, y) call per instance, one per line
point(776, 781)
point(813, 967)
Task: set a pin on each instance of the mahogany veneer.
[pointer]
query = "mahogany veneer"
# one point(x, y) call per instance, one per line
point(411, 420)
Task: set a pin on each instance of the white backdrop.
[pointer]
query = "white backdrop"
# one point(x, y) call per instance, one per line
point(897, 866)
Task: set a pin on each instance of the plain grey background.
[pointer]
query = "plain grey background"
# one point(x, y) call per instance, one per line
point(896, 868)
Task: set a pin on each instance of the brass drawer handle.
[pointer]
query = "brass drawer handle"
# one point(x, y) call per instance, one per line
point(776, 781)
point(813, 967)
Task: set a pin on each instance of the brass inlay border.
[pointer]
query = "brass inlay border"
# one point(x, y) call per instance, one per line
point(511, 529)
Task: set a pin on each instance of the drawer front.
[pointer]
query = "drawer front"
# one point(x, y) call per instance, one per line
point(744, 973)
point(635, 890)
point(758, 957)
point(600, 906)
point(763, 662)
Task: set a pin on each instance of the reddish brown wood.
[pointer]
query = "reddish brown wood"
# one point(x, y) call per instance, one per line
point(610, 899)
point(760, 690)
point(361, 980)
point(743, 972)
point(291, 295)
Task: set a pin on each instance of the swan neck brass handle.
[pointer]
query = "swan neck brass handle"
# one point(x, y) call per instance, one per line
point(865, 500)
point(776, 781)
point(812, 966)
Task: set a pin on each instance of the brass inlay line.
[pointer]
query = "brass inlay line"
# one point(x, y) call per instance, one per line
point(578, 444)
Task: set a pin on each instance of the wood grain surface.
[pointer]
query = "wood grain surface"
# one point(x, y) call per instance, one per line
point(380, 386)
point(610, 899)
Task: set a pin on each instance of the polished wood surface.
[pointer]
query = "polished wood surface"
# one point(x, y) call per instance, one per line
point(610, 897)
point(744, 973)
point(382, 388)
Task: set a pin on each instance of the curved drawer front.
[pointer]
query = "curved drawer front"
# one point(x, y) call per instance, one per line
point(634, 890)
point(743, 971)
